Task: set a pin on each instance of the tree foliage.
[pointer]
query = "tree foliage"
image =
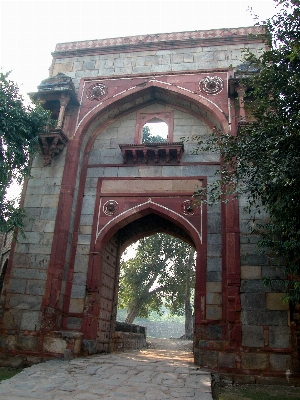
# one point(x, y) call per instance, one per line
point(263, 161)
point(157, 276)
point(148, 138)
point(19, 129)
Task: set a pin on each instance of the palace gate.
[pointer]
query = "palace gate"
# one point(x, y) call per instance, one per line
point(96, 188)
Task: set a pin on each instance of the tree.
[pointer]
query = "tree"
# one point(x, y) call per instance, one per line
point(20, 126)
point(148, 138)
point(262, 161)
point(161, 273)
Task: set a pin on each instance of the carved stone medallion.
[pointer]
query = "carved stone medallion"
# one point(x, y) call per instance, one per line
point(188, 207)
point(96, 91)
point(211, 85)
point(110, 207)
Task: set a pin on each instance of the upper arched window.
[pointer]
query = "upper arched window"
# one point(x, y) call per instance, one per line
point(154, 127)
point(155, 131)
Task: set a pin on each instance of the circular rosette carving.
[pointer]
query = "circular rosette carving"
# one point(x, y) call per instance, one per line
point(211, 85)
point(96, 91)
point(188, 207)
point(110, 207)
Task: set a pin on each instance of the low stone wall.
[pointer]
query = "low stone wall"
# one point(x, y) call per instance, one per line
point(164, 329)
point(128, 341)
point(128, 337)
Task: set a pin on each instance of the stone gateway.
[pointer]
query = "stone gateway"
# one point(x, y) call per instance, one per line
point(95, 188)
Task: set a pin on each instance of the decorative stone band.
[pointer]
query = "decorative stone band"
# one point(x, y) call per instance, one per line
point(157, 40)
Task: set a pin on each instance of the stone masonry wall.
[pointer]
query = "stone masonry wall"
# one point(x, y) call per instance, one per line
point(156, 61)
point(32, 253)
point(265, 318)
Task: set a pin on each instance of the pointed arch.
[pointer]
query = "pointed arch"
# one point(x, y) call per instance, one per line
point(116, 106)
point(104, 234)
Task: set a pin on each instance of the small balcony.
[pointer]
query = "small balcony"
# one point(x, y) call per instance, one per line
point(152, 153)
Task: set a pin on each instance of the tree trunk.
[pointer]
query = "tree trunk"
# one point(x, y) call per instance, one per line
point(189, 320)
point(133, 312)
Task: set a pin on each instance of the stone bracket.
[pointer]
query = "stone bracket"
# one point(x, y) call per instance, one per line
point(52, 143)
point(152, 153)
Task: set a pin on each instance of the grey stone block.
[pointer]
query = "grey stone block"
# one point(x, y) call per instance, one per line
point(25, 302)
point(279, 337)
point(79, 279)
point(78, 292)
point(213, 276)
point(214, 238)
point(84, 239)
point(74, 323)
point(214, 223)
point(252, 336)
point(254, 259)
point(81, 263)
point(250, 317)
point(90, 346)
point(280, 362)
point(88, 205)
point(27, 343)
point(35, 287)
point(214, 250)
point(39, 261)
point(227, 360)
point(17, 286)
point(214, 264)
point(273, 272)
point(31, 237)
point(253, 285)
point(214, 332)
point(86, 220)
point(48, 213)
point(29, 273)
point(39, 248)
point(253, 301)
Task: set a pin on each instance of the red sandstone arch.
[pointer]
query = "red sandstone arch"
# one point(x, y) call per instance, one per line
point(102, 266)
point(146, 208)
point(114, 102)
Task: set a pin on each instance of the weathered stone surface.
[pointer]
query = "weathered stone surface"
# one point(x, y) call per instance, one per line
point(27, 343)
point(275, 301)
point(279, 336)
point(251, 272)
point(253, 285)
point(227, 360)
point(253, 301)
point(213, 312)
point(30, 320)
point(54, 345)
point(250, 317)
point(252, 336)
point(25, 302)
point(254, 361)
point(280, 362)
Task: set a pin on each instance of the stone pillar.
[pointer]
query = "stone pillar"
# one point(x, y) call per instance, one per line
point(64, 100)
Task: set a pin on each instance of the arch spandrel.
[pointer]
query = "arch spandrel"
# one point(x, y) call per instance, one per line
point(213, 110)
point(178, 225)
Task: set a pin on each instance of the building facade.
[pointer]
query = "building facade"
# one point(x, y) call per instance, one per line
point(96, 188)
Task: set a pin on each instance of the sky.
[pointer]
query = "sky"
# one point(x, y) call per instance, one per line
point(31, 29)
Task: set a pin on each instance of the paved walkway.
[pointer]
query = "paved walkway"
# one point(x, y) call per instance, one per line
point(152, 374)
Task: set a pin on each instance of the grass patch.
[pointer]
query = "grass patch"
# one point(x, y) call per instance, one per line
point(258, 392)
point(6, 372)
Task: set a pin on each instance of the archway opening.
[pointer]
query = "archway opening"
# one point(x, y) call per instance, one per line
point(156, 287)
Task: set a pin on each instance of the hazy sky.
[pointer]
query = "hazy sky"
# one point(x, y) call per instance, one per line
point(31, 29)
